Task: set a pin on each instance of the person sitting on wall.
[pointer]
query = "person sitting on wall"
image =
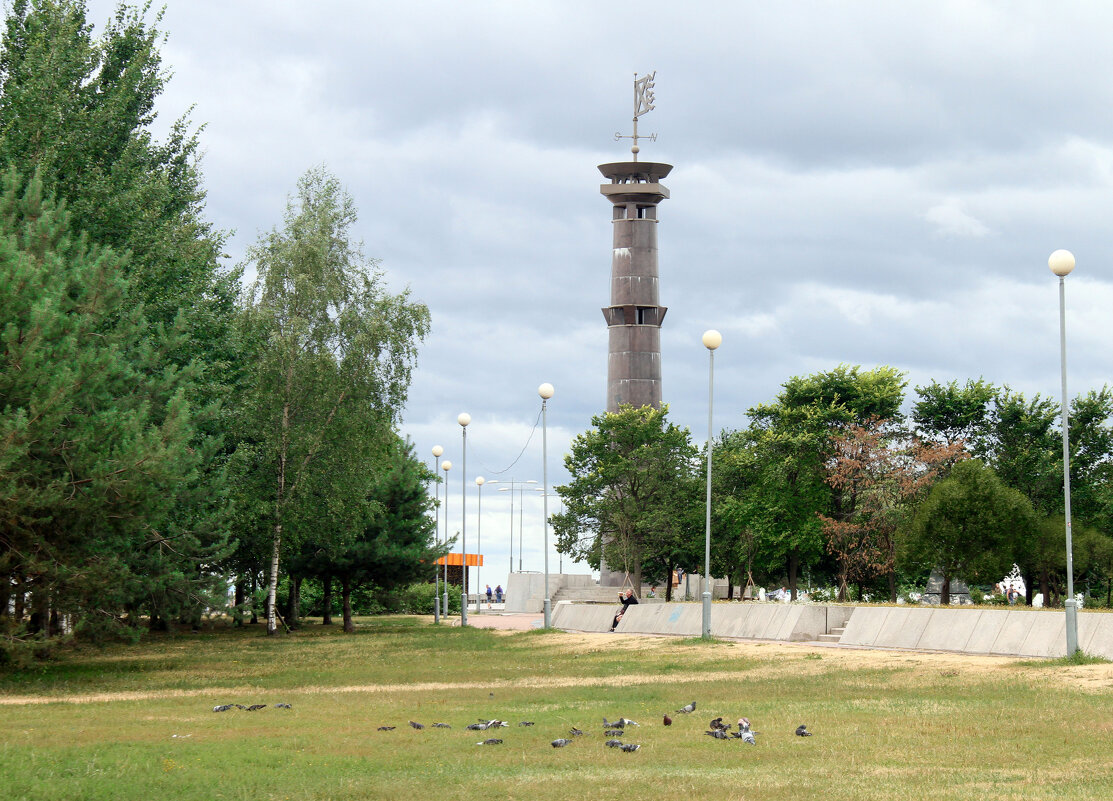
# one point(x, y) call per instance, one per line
point(498, 594)
point(627, 600)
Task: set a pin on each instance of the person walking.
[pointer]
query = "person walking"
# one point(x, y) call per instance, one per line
point(489, 594)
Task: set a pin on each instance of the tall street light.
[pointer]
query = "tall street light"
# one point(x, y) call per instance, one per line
point(546, 392)
point(1061, 263)
point(479, 481)
point(438, 451)
point(711, 340)
point(463, 419)
point(513, 483)
point(445, 466)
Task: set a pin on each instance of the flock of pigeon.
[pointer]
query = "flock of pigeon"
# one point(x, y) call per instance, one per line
point(721, 731)
point(614, 730)
point(252, 708)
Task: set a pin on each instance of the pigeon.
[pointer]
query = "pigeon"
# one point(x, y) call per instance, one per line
point(526, 723)
point(282, 706)
point(686, 709)
point(630, 747)
point(575, 732)
point(615, 725)
point(668, 720)
point(223, 707)
point(477, 727)
point(802, 730)
point(717, 723)
point(744, 732)
point(386, 728)
point(718, 734)
point(613, 743)
point(613, 733)
point(560, 743)
point(492, 741)
point(441, 726)
point(239, 706)
point(623, 722)
point(417, 725)
point(254, 707)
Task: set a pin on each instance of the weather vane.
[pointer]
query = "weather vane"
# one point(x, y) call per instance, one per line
point(643, 104)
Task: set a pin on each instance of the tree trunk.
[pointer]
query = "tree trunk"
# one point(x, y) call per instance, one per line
point(843, 587)
point(730, 588)
point(1045, 586)
point(237, 614)
point(326, 601)
point(892, 576)
point(254, 587)
point(5, 593)
point(293, 602)
point(346, 596)
point(40, 609)
point(272, 626)
point(272, 589)
point(945, 590)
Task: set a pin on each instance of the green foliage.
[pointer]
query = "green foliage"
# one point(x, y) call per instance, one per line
point(328, 379)
point(632, 492)
point(969, 526)
point(76, 112)
point(783, 456)
point(952, 412)
point(95, 433)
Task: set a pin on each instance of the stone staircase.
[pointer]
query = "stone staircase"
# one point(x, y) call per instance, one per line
point(597, 594)
point(833, 636)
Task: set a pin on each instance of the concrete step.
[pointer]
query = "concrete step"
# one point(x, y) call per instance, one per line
point(829, 637)
point(837, 630)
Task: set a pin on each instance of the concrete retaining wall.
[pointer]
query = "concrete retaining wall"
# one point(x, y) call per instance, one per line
point(789, 622)
point(1005, 632)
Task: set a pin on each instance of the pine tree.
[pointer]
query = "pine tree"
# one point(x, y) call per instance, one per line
point(95, 430)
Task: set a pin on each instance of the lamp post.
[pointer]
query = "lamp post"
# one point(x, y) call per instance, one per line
point(512, 484)
point(438, 451)
point(1061, 263)
point(546, 392)
point(711, 340)
point(479, 481)
point(463, 419)
point(445, 466)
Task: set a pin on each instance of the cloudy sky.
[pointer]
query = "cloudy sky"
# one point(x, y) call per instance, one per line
point(857, 182)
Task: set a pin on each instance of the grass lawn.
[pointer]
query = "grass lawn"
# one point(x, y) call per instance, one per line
point(136, 722)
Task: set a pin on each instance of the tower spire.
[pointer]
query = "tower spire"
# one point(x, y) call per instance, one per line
point(643, 104)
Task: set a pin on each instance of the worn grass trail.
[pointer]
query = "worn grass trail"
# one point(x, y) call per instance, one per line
point(136, 722)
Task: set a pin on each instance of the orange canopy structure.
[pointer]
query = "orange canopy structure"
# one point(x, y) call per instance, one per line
point(474, 559)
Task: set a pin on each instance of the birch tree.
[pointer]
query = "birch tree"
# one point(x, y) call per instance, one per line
point(331, 375)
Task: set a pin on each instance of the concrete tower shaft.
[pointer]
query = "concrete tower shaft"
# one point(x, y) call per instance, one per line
point(634, 315)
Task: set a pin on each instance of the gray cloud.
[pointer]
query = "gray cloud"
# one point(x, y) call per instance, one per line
point(865, 183)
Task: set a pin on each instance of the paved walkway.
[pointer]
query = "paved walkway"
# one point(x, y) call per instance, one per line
point(511, 621)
